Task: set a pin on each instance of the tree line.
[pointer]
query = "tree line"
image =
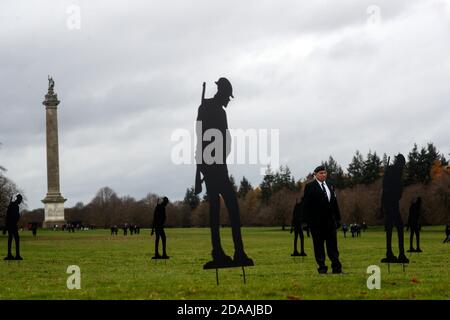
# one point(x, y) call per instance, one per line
point(271, 202)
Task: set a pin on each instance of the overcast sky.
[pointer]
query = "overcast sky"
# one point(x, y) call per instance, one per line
point(332, 76)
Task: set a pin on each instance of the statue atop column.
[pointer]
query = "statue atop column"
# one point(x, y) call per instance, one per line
point(51, 83)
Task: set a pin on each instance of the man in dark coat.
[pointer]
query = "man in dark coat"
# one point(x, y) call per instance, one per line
point(321, 213)
point(414, 224)
point(296, 227)
point(213, 147)
point(392, 193)
point(159, 218)
point(12, 218)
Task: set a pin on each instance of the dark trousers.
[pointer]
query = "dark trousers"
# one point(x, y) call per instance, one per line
point(159, 232)
point(326, 235)
point(13, 232)
point(298, 232)
point(218, 183)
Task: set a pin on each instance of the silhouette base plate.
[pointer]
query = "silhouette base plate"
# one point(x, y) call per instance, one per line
point(220, 265)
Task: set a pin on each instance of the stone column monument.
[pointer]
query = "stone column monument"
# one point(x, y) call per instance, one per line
point(54, 202)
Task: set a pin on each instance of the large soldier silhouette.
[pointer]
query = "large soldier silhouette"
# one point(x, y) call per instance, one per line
point(392, 193)
point(213, 147)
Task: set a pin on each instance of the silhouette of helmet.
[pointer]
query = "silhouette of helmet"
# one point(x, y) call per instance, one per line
point(224, 86)
point(400, 160)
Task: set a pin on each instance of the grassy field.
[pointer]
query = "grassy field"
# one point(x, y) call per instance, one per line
point(119, 267)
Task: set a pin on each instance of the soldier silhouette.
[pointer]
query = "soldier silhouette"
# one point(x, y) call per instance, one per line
point(12, 218)
point(296, 227)
point(213, 147)
point(159, 218)
point(391, 195)
point(414, 224)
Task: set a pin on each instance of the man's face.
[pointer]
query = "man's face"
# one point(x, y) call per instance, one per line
point(321, 175)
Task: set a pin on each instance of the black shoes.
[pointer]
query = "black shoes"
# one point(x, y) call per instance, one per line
point(11, 257)
point(402, 259)
point(390, 258)
point(322, 270)
point(241, 259)
point(221, 260)
point(302, 254)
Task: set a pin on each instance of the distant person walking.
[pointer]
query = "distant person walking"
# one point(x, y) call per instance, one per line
point(34, 229)
point(344, 229)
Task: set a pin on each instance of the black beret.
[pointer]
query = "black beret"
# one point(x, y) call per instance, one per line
point(319, 168)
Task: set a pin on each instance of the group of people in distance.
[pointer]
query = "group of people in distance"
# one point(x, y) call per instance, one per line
point(132, 228)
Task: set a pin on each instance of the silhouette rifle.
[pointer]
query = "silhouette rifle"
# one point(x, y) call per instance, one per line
point(198, 179)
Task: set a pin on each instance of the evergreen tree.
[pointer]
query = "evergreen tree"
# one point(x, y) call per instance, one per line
point(283, 180)
point(355, 168)
point(384, 162)
point(191, 199)
point(266, 185)
point(412, 166)
point(244, 188)
point(335, 174)
point(371, 169)
point(233, 183)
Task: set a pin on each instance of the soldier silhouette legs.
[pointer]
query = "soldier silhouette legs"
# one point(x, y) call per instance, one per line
point(298, 233)
point(218, 183)
point(13, 233)
point(394, 219)
point(414, 231)
point(159, 232)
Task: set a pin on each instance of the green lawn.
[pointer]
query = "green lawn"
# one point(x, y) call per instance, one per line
point(119, 267)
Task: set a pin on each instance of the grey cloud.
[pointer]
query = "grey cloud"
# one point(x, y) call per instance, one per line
point(133, 74)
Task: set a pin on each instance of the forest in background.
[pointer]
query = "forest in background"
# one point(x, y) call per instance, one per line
point(358, 189)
